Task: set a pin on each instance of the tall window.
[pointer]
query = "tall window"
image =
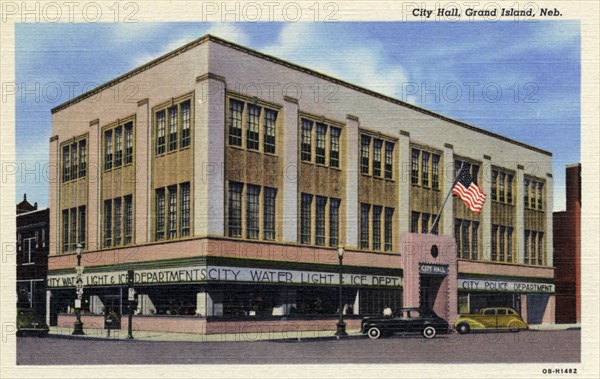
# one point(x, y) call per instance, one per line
point(364, 226)
point(425, 169)
point(128, 143)
point(414, 222)
point(541, 252)
point(320, 147)
point(494, 242)
point(377, 143)
point(494, 185)
point(160, 214)
point(66, 164)
point(252, 133)
point(107, 223)
point(364, 154)
point(269, 213)
point(501, 238)
point(128, 220)
point(74, 161)
point(185, 123)
point(73, 220)
point(389, 159)
point(414, 167)
point(65, 229)
point(376, 229)
point(334, 222)
point(118, 147)
point(320, 221)
point(540, 193)
point(501, 179)
point(532, 193)
point(173, 128)
point(184, 210)
point(526, 193)
point(160, 132)
point(108, 150)
point(252, 211)
point(118, 220)
point(474, 240)
point(388, 228)
point(334, 153)
point(466, 225)
point(509, 244)
point(305, 214)
point(526, 247)
point(457, 228)
point(235, 209)
point(270, 123)
point(306, 147)
point(435, 171)
point(235, 122)
point(509, 188)
point(424, 223)
point(172, 216)
point(82, 225)
point(534, 250)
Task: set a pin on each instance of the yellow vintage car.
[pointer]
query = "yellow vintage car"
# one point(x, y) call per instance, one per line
point(491, 318)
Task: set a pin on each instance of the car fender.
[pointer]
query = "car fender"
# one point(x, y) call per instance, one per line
point(471, 321)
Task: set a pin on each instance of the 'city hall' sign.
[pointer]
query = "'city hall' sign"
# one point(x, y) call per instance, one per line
point(504, 286)
point(226, 274)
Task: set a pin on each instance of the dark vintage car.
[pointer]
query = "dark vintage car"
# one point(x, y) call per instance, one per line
point(410, 320)
point(31, 323)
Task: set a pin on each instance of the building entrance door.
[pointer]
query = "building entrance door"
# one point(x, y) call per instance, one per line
point(429, 286)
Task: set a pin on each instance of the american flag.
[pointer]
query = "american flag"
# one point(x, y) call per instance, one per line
point(470, 193)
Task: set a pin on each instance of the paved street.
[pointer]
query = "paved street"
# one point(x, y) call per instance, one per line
point(525, 346)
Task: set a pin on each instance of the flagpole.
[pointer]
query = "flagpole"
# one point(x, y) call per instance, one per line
point(437, 217)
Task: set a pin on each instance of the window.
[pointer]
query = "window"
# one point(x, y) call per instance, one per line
point(533, 247)
point(66, 164)
point(376, 229)
point(435, 171)
point(252, 210)
point(540, 193)
point(108, 150)
point(65, 229)
point(270, 195)
point(424, 223)
point(320, 147)
point(74, 161)
point(160, 214)
point(509, 188)
point(526, 193)
point(495, 185)
point(425, 169)
point(334, 153)
point(364, 226)
point(474, 240)
point(541, 253)
point(532, 194)
point(172, 215)
point(118, 209)
point(172, 128)
point(334, 222)
point(235, 122)
point(82, 224)
point(526, 247)
point(388, 228)
point(118, 147)
point(320, 221)
point(128, 143)
point(107, 223)
point(494, 242)
point(128, 220)
point(185, 123)
point(457, 228)
point(414, 170)
point(466, 241)
point(235, 209)
point(253, 130)
point(306, 147)
point(364, 154)
point(435, 228)
point(82, 158)
point(475, 173)
point(184, 210)
point(466, 234)
point(509, 242)
point(389, 159)
point(270, 124)
point(377, 157)
point(160, 132)
point(502, 178)
point(414, 222)
point(305, 218)
point(501, 238)
point(73, 227)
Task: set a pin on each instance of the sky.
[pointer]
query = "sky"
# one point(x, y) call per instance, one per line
point(517, 79)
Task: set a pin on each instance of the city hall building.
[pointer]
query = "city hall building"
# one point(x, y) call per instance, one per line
point(227, 179)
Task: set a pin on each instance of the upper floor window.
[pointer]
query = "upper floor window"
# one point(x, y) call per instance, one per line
point(66, 163)
point(534, 251)
point(236, 109)
point(108, 150)
point(377, 143)
point(270, 127)
point(118, 221)
point(466, 233)
point(173, 126)
point(118, 145)
point(435, 171)
point(322, 136)
point(502, 186)
point(334, 222)
point(389, 159)
point(253, 129)
point(269, 208)
point(305, 218)
point(74, 160)
point(425, 170)
point(323, 215)
point(334, 149)
point(128, 143)
point(306, 140)
point(254, 120)
point(533, 194)
point(248, 197)
point(320, 147)
point(172, 211)
point(364, 154)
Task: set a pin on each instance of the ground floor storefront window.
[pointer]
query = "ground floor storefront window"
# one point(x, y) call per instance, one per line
point(471, 302)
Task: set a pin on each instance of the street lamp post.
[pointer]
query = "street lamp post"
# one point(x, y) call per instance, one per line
point(341, 326)
point(78, 325)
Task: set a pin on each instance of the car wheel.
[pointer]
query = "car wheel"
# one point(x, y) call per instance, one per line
point(429, 332)
point(374, 333)
point(513, 326)
point(463, 328)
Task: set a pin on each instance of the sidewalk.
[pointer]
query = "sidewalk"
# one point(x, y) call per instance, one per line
point(555, 327)
point(192, 337)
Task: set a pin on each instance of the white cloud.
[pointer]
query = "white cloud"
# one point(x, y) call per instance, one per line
point(361, 63)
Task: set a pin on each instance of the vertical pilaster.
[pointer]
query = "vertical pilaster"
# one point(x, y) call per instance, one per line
point(404, 182)
point(447, 215)
point(209, 155)
point(95, 188)
point(520, 215)
point(144, 148)
point(549, 224)
point(53, 200)
point(486, 212)
point(290, 170)
point(351, 147)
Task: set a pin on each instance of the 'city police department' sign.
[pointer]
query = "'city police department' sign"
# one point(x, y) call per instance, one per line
point(504, 286)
